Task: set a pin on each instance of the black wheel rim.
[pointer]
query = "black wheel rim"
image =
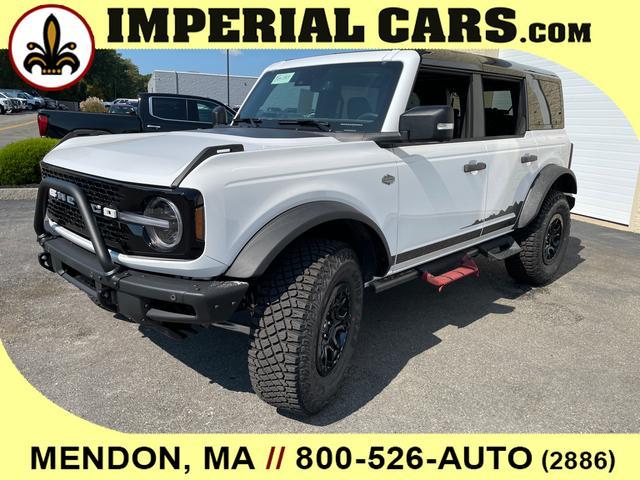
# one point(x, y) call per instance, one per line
point(334, 331)
point(553, 239)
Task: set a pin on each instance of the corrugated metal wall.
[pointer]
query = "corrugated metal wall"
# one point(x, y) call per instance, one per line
point(606, 154)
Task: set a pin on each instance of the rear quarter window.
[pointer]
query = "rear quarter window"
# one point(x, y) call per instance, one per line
point(544, 104)
point(553, 94)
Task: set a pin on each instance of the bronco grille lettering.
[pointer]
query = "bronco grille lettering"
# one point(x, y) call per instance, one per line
point(97, 209)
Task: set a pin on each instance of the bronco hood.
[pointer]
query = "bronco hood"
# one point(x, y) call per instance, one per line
point(160, 158)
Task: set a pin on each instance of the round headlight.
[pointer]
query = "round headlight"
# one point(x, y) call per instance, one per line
point(164, 239)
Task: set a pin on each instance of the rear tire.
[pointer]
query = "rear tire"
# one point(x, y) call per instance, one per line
point(544, 242)
point(305, 325)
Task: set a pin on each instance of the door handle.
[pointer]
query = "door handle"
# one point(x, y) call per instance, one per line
point(528, 158)
point(474, 167)
point(154, 126)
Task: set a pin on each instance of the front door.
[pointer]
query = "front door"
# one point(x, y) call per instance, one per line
point(443, 186)
point(442, 197)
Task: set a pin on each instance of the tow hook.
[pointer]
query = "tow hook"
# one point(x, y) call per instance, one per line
point(44, 258)
point(105, 298)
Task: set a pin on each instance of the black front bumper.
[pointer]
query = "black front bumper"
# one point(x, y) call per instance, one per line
point(138, 296)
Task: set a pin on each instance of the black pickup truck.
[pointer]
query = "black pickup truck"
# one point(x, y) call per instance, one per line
point(157, 112)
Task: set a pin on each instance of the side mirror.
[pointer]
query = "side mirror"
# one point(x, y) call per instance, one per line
point(219, 115)
point(427, 123)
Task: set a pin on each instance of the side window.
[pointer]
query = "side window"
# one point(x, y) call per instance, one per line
point(544, 99)
point(501, 107)
point(553, 94)
point(435, 88)
point(169, 108)
point(538, 110)
point(200, 111)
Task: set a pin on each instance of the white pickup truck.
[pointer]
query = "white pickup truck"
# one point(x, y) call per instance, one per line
point(339, 173)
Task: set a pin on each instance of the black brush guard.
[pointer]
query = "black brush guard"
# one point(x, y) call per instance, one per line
point(140, 297)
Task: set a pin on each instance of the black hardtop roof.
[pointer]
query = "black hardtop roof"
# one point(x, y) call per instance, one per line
point(474, 61)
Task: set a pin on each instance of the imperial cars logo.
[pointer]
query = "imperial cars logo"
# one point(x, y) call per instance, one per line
point(51, 47)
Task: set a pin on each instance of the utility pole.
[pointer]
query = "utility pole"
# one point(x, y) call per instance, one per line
point(228, 80)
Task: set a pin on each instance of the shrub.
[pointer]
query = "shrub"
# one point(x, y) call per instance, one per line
point(20, 161)
point(92, 104)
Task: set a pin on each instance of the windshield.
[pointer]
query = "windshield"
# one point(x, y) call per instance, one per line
point(345, 97)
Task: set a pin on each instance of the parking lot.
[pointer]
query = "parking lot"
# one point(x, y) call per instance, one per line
point(486, 355)
point(17, 126)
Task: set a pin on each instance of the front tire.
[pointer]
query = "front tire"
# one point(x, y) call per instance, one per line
point(544, 242)
point(307, 315)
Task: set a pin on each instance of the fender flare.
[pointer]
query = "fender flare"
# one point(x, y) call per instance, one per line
point(259, 252)
point(551, 175)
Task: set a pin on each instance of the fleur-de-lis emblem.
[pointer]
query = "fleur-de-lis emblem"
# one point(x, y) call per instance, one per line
point(51, 57)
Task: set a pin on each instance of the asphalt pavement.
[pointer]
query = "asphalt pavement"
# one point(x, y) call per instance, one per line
point(17, 126)
point(487, 355)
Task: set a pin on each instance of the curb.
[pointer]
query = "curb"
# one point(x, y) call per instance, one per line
point(28, 193)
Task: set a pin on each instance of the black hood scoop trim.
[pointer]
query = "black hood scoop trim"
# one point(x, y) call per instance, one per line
point(202, 156)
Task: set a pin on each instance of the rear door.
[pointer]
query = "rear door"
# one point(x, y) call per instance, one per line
point(512, 153)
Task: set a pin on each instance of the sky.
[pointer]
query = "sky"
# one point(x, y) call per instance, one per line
point(242, 62)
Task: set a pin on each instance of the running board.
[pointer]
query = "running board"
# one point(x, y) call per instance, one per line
point(438, 266)
point(466, 268)
point(445, 270)
point(500, 248)
point(391, 281)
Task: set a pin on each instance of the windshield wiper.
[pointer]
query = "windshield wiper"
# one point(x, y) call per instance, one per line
point(320, 125)
point(254, 122)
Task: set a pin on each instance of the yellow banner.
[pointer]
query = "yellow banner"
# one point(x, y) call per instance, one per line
point(42, 441)
point(341, 24)
point(593, 39)
point(39, 440)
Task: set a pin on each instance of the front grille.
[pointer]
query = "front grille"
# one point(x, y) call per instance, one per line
point(123, 197)
point(69, 217)
point(98, 192)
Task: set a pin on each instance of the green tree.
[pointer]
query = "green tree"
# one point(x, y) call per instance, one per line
point(109, 77)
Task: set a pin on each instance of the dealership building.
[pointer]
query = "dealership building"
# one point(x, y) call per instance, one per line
point(209, 85)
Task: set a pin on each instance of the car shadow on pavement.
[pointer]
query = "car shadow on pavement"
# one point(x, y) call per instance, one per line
point(219, 355)
point(398, 325)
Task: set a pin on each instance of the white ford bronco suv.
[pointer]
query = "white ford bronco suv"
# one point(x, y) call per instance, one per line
point(338, 173)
